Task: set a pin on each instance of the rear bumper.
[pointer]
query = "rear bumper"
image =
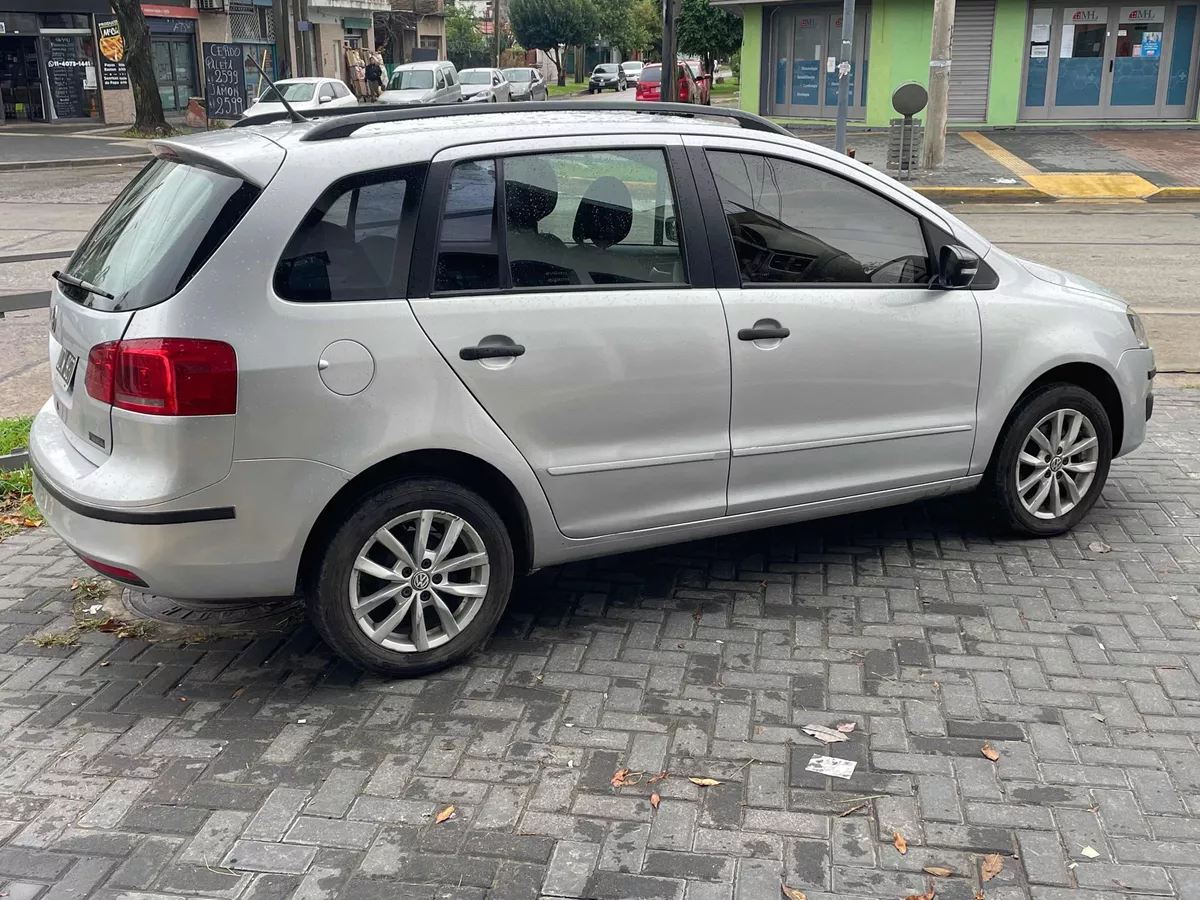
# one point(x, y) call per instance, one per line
point(241, 537)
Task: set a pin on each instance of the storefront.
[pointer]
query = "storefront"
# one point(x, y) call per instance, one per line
point(1013, 61)
point(174, 52)
point(48, 63)
point(253, 26)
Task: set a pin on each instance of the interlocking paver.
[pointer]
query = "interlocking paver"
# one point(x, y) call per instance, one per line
point(285, 774)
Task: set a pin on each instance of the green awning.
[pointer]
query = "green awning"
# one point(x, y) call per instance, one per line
point(356, 23)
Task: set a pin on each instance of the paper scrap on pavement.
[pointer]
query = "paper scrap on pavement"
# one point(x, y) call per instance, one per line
point(823, 734)
point(828, 765)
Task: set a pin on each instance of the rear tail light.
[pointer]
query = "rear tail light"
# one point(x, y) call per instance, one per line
point(114, 572)
point(164, 376)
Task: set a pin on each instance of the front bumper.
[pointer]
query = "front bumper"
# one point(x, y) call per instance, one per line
point(1135, 382)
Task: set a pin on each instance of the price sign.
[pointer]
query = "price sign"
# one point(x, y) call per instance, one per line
point(224, 80)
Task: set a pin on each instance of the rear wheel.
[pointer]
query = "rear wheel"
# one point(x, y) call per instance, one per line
point(416, 578)
point(1052, 461)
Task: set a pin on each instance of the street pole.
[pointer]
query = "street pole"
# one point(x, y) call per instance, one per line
point(670, 86)
point(934, 150)
point(844, 67)
point(496, 29)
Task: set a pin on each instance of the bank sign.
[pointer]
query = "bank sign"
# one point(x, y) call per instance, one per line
point(1143, 14)
point(1085, 14)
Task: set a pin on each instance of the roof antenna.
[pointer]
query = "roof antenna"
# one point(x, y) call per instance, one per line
point(292, 114)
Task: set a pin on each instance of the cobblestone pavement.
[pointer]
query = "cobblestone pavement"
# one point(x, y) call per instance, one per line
point(259, 768)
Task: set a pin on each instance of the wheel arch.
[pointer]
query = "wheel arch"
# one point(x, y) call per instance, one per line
point(469, 471)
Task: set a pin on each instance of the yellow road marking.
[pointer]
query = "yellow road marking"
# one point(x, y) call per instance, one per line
point(1010, 161)
point(1093, 185)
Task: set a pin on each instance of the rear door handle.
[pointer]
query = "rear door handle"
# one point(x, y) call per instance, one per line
point(491, 351)
point(763, 333)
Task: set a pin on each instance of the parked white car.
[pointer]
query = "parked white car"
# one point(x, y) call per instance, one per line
point(484, 86)
point(303, 94)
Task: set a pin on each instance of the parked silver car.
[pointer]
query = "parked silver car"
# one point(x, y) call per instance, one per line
point(389, 360)
point(423, 82)
point(526, 83)
point(484, 86)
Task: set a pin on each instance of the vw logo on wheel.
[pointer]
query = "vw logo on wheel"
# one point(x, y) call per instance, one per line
point(421, 581)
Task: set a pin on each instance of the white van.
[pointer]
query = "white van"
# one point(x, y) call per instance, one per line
point(423, 82)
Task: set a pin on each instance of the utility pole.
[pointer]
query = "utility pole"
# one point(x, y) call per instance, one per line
point(845, 65)
point(669, 89)
point(934, 150)
point(496, 29)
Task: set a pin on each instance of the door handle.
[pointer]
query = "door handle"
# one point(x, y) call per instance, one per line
point(763, 333)
point(491, 351)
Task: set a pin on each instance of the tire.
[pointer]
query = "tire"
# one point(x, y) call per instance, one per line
point(1038, 409)
point(401, 506)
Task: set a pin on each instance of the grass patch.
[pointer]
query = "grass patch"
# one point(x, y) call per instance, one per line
point(17, 509)
point(727, 88)
point(14, 434)
point(138, 133)
point(567, 90)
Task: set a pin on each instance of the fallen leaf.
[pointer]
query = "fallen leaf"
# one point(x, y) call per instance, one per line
point(625, 778)
point(1098, 717)
point(824, 735)
point(979, 895)
point(992, 864)
point(105, 663)
point(183, 699)
point(238, 693)
point(659, 777)
point(900, 842)
point(443, 815)
point(791, 893)
point(1089, 852)
point(704, 782)
point(928, 896)
point(939, 871)
point(990, 752)
point(852, 809)
point(846, 727)
point(655, 799)
point(1099, 547)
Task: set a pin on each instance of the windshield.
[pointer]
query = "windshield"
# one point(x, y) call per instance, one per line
point(293, 92)
point(475, 76)
point(651, 75)
point(158, 232)
point(606, 70)
point(411, 80)
point(517, 74)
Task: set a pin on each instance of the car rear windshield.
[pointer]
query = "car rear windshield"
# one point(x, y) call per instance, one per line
point(480, 77)
point(651, 76)
point(412, 80)
point(517, 74)
point(296, 92)
point(157, 234)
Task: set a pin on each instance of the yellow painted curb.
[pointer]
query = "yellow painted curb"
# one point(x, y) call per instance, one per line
point(983, 194)
point(1093, 185)
point(1174, 193)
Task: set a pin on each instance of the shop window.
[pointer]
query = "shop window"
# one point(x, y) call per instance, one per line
point(71, 72)
point(76, 21)
point(431, 42)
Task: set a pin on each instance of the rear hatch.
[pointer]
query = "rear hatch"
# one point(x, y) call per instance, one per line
point(143, 250)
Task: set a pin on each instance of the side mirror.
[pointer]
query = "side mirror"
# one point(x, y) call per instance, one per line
point(325, 99)
point(957, 267)
point(671, 229)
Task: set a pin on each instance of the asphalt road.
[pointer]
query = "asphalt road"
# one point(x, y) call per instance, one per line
point(1146, 253)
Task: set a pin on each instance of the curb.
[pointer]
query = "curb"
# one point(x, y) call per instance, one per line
point(74, 163)
point(1169, 194)
point(984, 194)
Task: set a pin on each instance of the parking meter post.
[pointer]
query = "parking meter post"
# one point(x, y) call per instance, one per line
point(844, 68)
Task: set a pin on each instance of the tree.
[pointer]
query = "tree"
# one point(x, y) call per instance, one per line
point(708, 32)
point(619, 25)
point(550, 24)
point(647, 17)
point(466, 45)
point(147, 104)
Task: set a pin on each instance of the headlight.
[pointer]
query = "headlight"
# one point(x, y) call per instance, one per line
point(1139, 332)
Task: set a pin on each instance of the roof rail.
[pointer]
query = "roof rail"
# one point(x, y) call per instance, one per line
point(345, 124)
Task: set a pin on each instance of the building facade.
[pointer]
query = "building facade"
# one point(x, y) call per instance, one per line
point(1014, 62)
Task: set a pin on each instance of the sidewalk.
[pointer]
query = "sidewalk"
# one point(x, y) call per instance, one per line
point(1047, 165)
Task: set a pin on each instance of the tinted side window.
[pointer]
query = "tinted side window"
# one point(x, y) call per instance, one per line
point(596, 217)
point(793, 224)
point(354, 244)
point(441, 82)
point(468, 254)
point(326, 91)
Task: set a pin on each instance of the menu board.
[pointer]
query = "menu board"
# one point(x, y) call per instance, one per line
point(66, 74)
point(113, 74)
point(224, 80)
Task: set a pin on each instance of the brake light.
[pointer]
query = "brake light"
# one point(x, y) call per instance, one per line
point(114, 572)
point(164, 376)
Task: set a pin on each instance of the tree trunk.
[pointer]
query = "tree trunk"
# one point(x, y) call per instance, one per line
point(146, 99)
point(556, 56)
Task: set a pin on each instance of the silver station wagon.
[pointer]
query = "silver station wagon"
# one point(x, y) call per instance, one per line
point(389, 360)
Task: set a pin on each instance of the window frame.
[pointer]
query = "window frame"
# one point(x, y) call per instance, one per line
point(417, 177)
point(720, 239)
point(422, 279)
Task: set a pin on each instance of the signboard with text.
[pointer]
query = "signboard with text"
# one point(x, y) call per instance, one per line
point(113, 74)
point(224, 80)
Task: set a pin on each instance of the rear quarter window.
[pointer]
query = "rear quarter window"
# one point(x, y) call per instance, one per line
point(157, 234)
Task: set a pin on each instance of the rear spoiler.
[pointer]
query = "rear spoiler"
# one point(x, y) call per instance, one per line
point(242, 155)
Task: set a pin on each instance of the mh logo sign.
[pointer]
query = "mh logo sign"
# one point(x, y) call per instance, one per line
point(1085, 15)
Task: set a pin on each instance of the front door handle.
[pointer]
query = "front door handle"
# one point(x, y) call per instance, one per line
point(491, 351)
point(764, 333)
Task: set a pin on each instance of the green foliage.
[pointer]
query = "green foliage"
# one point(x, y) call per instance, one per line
point(466, 45)
point(708, 32)
point(546, 24)
point(14, 433)
point(618, 23)
point(735, 63)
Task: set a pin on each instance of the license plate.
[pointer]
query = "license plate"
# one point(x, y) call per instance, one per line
point(67, 362)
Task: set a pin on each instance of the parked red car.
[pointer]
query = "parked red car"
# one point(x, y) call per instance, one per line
point(691, 89)
point(703, 81)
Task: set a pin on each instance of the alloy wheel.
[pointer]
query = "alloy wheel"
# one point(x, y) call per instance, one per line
point(419, 581)
point(1057, 464)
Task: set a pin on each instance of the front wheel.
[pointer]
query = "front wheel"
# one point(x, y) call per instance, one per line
point(415, 579)
point(1052, 460)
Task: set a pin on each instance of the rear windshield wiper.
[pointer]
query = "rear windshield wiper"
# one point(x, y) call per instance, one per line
point(72, 281)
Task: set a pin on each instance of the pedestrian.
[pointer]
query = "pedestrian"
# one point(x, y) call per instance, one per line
point(374, 78)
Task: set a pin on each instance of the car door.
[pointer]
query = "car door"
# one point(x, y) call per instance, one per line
point(325, 93)
point(851, 375)
point(606, 363)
